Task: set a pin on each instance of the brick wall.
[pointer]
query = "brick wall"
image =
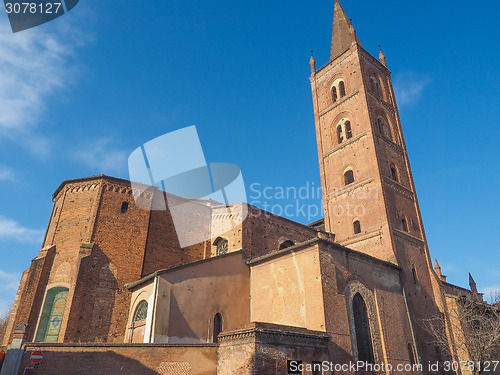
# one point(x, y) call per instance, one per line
point(126, 359)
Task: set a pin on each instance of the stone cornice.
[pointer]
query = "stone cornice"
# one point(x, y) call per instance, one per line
point(329, 67)
point(386, 105)
point(345, 143)
point(402, 190)
point(408, 237)
point(278, 335)
point(393, 145)
point(350, 187)
point(361, 237)
point(335, 104)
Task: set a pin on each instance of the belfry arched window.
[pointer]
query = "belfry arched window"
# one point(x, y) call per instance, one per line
point(342, 89)
point(52, 315)
point(375, 87)
point(348, 130)
point(344, 129)
point(348, 177)
point(362, 328)
point(217, 327)
point(340, 138)
point(384, 129)
point(334, 94)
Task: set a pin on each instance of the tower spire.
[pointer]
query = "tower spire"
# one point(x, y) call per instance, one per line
point(343, 34)
point(472, 284)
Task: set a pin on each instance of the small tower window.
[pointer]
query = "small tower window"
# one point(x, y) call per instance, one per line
point(404, 223)
point(348, 130)
point(394, 173)
point(349, 177)
point(286, 244)
point(124, 207)
point(342, 89)
point(334, 94)
point(357, 226)
point(339, 134)
point(217, 327)
point(414, 274)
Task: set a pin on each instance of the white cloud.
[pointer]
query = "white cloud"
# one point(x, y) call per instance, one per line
point(408, 87)
point(36, 65)
point(103, 156)
point(12, 230)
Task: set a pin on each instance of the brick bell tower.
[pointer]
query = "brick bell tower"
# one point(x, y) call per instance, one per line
point(369, 196)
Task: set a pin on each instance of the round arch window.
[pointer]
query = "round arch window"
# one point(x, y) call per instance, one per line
point(141, 311)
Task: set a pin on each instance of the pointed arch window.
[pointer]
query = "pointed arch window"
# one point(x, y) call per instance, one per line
point(348, 177)
point(348, 130)
point(340, 138)
point(362, 328)
point(217, 327)
point(357, 226)
point(52, 315)
point(384, 129)
point(342, 89)
point(334, 94)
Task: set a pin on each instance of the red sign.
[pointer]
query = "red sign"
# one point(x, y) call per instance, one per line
point(36, 357)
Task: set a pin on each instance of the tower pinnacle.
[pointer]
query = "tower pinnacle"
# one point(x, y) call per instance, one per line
point(343, 34)
point(472, 284)
point(312, 63)
point(381, 57)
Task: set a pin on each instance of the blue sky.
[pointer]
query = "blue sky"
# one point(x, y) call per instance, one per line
point(80, 93)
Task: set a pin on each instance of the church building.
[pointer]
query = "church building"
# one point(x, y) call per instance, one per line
point(112, 288)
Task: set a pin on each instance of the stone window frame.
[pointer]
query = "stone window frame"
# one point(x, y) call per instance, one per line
point(131, 324)
point(351, 289)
